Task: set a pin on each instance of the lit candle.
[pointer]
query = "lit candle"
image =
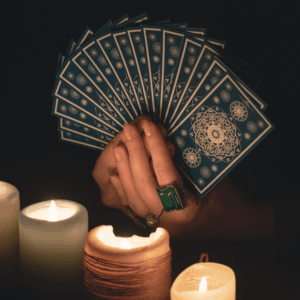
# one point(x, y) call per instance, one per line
point(207, 281)
point(127, 268)
point(9, 234)
point(52, 235)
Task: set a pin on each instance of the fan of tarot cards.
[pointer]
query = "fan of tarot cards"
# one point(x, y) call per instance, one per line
point(175, 74)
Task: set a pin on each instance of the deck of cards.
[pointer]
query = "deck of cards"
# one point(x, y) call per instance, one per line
point(175, 74)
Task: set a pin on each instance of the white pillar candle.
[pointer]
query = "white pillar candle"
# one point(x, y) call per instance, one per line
point(9, 234)
point(205, 281)
point(52, 235)
point(127, 268)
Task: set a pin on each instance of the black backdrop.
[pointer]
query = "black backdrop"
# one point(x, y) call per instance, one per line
point(34, 32)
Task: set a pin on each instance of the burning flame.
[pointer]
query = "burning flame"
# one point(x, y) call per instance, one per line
point(203, 285)
point(53, 212)
point(125, 244)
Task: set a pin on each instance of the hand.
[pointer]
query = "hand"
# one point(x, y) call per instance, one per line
point(105, 166)
point(135, 183)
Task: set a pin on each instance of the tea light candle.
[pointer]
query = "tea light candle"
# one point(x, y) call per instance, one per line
point(9, 234)
point(52, 235)
point(209, 281)
point(127, 268)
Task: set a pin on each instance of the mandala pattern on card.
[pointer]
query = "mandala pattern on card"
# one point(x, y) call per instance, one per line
point(92, 69)
point(239, 111)
point(63, 108)
point(123, 41)
point(225, 95)
point(186, 70)
point(89, 89)
point(199, 75)
point(84, 102)
point(180, 142)
point(108, 71)
point(98, 78)
point(251, 126)
point(102, 60)
point(191, 157)
point(131, 62)
point(214, 168)
point(152, 37)
point(205, 172)
point(171, 40)
point(156, 47)
point(70, 75)
point(217, 72)
point(107, 45)
point(74, 94)
point(94, 52)
point(207, 87)
point(119, 65)
point(83, 61)
point(214, 80)
point(201, 181)
point(216, 134)
point(205, 66)
point(128, 50)
point(81, 80)
point(137, 38)
point(142, 48)
point(228, 86)
point(68, 122)
point(171, 61)
point(192, 50)
point(143, 59)
point(208, 56)
point(156, 58)
point(191, 60)
point(247, 135)
point(174, 51)
point(115, 54)
point(73, 110)
point(184, 132)
point(216, 99)
point(82, 116)
point(64, 92)
point(260, 124)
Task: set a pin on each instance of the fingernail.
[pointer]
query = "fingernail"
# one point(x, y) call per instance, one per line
point(127, 131)
point(117, 154)
point(147, 128)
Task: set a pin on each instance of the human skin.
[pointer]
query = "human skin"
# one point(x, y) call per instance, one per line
point(128, 171)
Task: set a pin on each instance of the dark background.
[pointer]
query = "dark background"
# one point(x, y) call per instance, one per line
point(31, 157)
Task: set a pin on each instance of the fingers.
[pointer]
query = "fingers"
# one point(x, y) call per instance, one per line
point(142, 175)
point(165, 171)
point(129, 190)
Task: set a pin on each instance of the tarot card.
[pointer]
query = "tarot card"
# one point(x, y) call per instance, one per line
point(100, 109)
point(80, 140)
point(200, 64)
point(128, 61)
point(62, 108)
point(172, 46)
point(111, 55)
point(74, 73)
point(114, 24)
point(152, 37)
point(76, 128)
point(217, 134)
point(215, 73)
point(188, 61)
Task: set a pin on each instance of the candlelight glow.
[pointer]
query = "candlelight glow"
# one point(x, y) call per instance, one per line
point(125, 244)
point(52, 212)
point(203, 285)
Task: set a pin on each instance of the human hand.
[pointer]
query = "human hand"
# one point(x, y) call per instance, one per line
point(135, 182)
point(105, 166)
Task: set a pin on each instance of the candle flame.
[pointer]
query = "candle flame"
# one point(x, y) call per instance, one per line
point(125, 244)
point(203, 285)
point(53, 212)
